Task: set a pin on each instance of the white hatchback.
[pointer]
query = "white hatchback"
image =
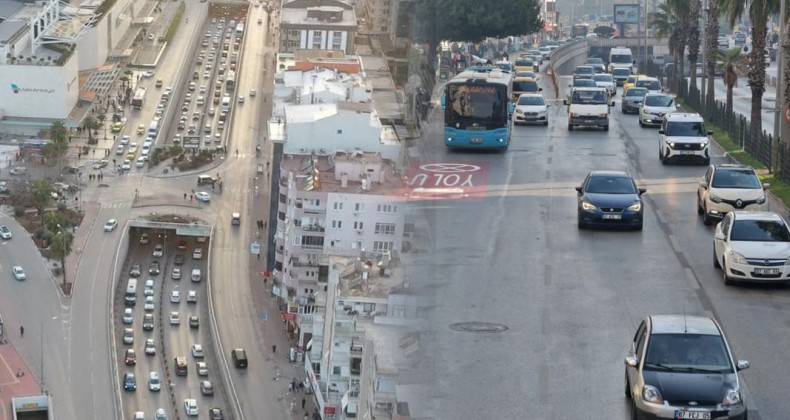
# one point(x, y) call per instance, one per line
point(531, 108)
point(175, 296)
point(752, 246)
point(654, 107)
point(729, 187)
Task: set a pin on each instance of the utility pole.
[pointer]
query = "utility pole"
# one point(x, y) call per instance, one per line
point(781, 131)
point(704, 55)
point(645, 51)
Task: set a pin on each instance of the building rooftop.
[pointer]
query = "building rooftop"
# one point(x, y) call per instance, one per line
point(10, 29)
point(318, 173)
point(315, 12)
point(395, 348)
point(364, 279)
point(386, 98)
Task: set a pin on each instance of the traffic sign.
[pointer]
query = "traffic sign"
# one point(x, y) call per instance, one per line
point(255, 248)
point(787, 114)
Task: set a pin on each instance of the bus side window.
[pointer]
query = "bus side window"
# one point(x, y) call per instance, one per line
point(443, 103)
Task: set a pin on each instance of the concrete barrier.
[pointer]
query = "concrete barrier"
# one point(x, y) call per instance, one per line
point(565, 59)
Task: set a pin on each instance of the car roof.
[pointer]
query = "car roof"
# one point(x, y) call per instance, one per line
point(658, 94)
point(681, 116)
point(731, 166)
point(590, 89)
point(621, 174)
point(584, 67)
point(520, 96)
point(648, 78)
point(683, 324)
point(757, 215)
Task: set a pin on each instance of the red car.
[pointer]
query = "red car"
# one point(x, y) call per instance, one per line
point(131, 358)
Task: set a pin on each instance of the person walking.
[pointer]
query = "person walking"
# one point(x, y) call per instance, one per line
point(274, 348)
point(22, 330)
point(303, 402)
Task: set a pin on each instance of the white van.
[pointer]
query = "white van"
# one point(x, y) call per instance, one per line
point(196, 275)
point(588, 106)
point(621, 58)
point(131, 292)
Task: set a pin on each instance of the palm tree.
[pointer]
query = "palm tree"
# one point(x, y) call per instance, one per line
point(60, 248)
point(41, 193)
point(711, 49)
point(90, 124)
point(733, 66)
point(692, 34)
point(758, 12)
point(668, 23)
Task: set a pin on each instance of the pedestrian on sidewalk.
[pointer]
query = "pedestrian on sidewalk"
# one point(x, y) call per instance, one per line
point(304, 401)
point(274, 348)
point(22, 330)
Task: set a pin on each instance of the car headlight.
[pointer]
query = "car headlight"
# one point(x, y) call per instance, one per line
point(635, 207)
point(604, 115)
point(651, 394)
point(731, 397)
point(761, 200)
point(586, 206)
point(715, 198)
point(519, 111)
point(736, 258)
point(703, 144)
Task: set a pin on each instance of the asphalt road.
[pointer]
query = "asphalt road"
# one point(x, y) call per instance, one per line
point(570, 299)
point(742, 98)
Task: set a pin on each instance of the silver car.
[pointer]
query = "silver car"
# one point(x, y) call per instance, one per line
point(654, 107)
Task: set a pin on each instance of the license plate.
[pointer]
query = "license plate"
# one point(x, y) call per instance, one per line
point(589, 122)
point(686, 152)
point(612, 217)
point(766, 271)
point(697, 415)
point(532, 118)
point(475, 140)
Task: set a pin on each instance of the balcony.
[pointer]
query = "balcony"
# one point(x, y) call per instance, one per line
point(301, 264)
point(313, 247)
point(313, 228)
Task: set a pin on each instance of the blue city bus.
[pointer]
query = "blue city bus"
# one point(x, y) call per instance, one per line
point(477, 107)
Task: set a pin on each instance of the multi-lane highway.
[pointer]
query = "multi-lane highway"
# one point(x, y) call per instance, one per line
point(567, 301)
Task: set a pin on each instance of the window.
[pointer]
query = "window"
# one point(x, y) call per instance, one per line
point(336, 370)
point(296, 240)
point(385, 228)
point(312, 241)
point(359, 206)
point(338, 205)
point(387, 208)
point(356, 245)
point(337, 224)
point(358, 225)
point(381, 246)
point(317, 40)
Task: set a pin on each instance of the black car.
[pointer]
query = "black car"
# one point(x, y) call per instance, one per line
point(610, 198)
point(597, 64)
point(215, 413)
point(135, 271)
point(179, 259)
point(154, 269)
point(681, 367)
point(632, 98)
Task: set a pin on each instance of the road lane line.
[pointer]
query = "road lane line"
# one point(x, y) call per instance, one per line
point(674, 243)
point(692, 278)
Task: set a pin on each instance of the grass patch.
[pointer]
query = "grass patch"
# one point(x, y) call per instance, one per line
point(171, 30)
point(779, 188)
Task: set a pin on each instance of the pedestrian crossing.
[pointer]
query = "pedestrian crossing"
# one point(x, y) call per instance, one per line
point(117, 205)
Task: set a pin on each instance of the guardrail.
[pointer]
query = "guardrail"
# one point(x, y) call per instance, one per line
point(122, 249)
point(570, 55)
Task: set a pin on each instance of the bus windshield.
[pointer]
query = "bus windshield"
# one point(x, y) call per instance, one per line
point(589, 97)
point(484, 105)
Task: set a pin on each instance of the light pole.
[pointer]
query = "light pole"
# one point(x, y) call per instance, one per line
point(780, 127)
point(704, 51)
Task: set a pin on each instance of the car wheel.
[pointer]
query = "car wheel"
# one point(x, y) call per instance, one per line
point(706, 220)
point(706, 162)
point(546, 123)
point(639, 227)
point(641, 124)
point(570, 127)
point(727, 280)
point(581, 224)
point(699, 206)
point(627, 387)
point(606, 128)
point(633, 410)
point(715, 260)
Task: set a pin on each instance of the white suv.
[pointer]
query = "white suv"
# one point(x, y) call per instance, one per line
point(727, 188)
point(683, 137)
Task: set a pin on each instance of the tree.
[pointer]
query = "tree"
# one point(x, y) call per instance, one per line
point(604, 31)
point(60, 248)
point(711, 49)
point(56, 150)
point(90, 123)
point(53, 221)
point(732, 62)
point(758, 12)
point(41, 194)
point(668, 23)
point(692, 35)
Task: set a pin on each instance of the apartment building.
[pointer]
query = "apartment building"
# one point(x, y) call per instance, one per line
point(363, 340)
point(317, 25)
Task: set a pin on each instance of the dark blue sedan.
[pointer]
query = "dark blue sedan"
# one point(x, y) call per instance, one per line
point(610, 198)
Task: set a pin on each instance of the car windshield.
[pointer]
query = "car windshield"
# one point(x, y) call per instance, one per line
point(611, 185)
point(759, 231)
point(649, 84)
point(621, 72)
point(526, 86)
point(659, 101)
point(594, 61)
point(589, 97)
point(636, 93)
point(736, 178)
point(584, 70)
point(603, 78)
point(687, 352)
point(531, 100)
point(584, 83)
point(686, 129)
point(524, 63)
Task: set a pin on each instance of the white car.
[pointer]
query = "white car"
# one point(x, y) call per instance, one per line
point(140, 162)
point(175, 296)
point(127, 164)
point(728, 187)
point(125, 140)
point(100, 164)
point(203, 196)
point(654, 107)
point(605, 80)
point(197, 254)
point(5, 233)
point(531, 108)
point(202, 369)
point(19, 272)
point(175, 318)
point(159, 250)
point(133, 147)
point(160, 414)
point(150, 347)
point(752, 246)
point(150, 73)
point(191, 407)
point(176, 274)
point(683, 137)
point(197, 351)
point(154, 382)
point(110, 225)
point(149, 303)
point(128, 316)
point(149, 287)
point(192, 296)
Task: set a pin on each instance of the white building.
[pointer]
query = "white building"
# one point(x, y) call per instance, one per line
point(361, 338)
point(317, 25)
point(317, 86)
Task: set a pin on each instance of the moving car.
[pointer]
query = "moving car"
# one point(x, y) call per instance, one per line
point(632, 100)
point(203, 196)
point(135, 270)
point(176, 274)
point(129, 382)
point(144, 239)
point(729, 187)
point(128, 316)
point(597, 64)
point(149, 303)
point(197, 351)
point(100, 164)
point(179, 259)
point(752, 246)
point(128, 336)
point(215, 413)
point(610, 198)
point(620, 75)
point(130, 358)
point(606, 81)
point(175, 318)
point(154, 268)
point(159, 250)
point(194, 321)
point(19, 272)
point(202, 368)
point(148, 322)
point(175, 296)
point(192, 296)
point(154, 382)
point(110, 225)
point(160, 414)
point(683, 137)
point(126, 165)
point(531, 108)
point(190, 407)
point(654, 107)
point(681, 367)
point(652, 84)
point(150, 347)
point(5, 233)
point(583, 72)
point(197, 254)
point(206, 388)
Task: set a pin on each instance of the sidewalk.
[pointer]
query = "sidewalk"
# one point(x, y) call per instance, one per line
point(16, 380)
point(91, 212)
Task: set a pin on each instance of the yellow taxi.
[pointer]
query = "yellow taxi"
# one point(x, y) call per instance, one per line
point(525, 63)
point(140, 130)
point(117, 127)
point(131, 155)
point(631, 81)
point(522, 85)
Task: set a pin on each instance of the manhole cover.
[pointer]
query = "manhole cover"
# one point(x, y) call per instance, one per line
point(478, 327)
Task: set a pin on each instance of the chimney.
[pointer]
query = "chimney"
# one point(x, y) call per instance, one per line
point(343, 180)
